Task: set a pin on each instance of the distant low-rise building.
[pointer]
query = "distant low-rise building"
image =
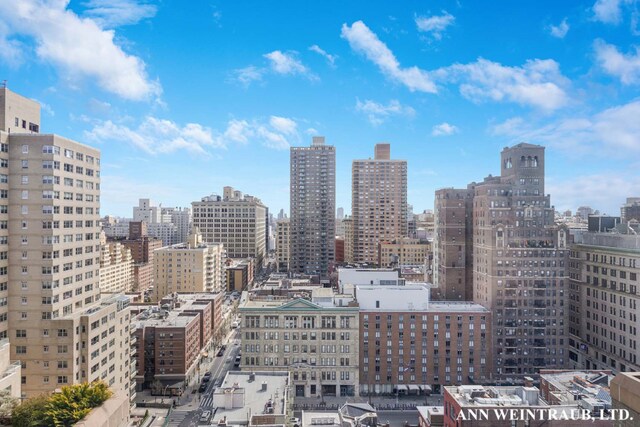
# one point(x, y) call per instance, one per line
point(402, 252)
point(239, 274)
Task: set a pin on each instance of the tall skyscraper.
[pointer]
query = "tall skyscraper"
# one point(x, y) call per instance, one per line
point(520, 260)
point(313, 208)
point(237, 220)
point(59, 327)
point(379, 203)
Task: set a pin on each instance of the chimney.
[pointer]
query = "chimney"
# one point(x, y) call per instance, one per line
point(264, 386)
point(528, 382)
point(252, 376)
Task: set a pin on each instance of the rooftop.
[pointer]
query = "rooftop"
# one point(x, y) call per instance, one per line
point(481, 396)
point(567, 387)
point(327, 419)
point(255, 393)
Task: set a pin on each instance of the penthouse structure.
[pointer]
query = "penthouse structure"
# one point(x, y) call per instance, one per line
point(409, 344)
point(378, 203)
point(189, 268)
point(237, 220)
point(313, 208)
point(315, 339)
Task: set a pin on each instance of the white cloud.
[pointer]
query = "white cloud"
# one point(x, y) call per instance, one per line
point(155, 136)
point(246, 76)
point(606, 191)
point(617, 64)
point(444, 129)
point(363, 40)
point(311, 131)
point(614, 131)
point(435, 24)
point(277, 133)
point(609, 11)
point(78, 47)
point(378, 113)
point(330, 58)
point(285, 63)
point(560, 30)
point(283, 125)
point(114, 13)
point(538, 83)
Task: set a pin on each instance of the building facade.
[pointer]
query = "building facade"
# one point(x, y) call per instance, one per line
point(453, 245)
point(116, 267)
point(53, 252)
point(189, 267)
point(238, 221)
point(604, 304)
point(317, 343)
point(283, 244)
point(378, 203)
point(405, 251)
point(313, 208)
point(409, 344)
point(520, 260)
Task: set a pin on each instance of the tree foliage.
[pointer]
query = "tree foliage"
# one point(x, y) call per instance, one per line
point(31, 413)
point(61, 409)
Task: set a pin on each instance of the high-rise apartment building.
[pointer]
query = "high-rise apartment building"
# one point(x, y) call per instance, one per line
point(378, 203)
point(604, 304)
point(142, 248)
point(282, 244)
point(630, 209)
point(190, 267)
point(520, 259)
point(348, 239)
point(453, 245)
point(313, 208)
point(58, 326)
point(239, 221)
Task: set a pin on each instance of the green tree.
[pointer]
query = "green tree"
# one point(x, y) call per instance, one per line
point(31, 413)
point(74, 402)
point(7, 404)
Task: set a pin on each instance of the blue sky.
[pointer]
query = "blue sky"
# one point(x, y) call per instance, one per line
point(183, 98)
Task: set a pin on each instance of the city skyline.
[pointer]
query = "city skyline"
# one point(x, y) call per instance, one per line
point(416, 76)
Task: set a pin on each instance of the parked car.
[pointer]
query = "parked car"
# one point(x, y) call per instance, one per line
point(205, 417)
point(202, 388)
point(206, 377)
point(294, 421)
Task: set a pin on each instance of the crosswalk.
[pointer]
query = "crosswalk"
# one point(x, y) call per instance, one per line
point(176, 418)
point(207, 401)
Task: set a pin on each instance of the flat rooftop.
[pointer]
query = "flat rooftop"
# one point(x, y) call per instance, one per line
point(253, 392)
point(481, 396)
point(327, 419)
point(583, 384)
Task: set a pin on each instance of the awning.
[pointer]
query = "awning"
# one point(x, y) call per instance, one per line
point(425, 388)
point(413, 387)
point(402, 387)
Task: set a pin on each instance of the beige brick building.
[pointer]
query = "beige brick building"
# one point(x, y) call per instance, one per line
point(604, 304)
point(403, 251)
point(116, 267)
point(59, 328)
point(237, 220)
point(378, 203)
point(282, 244)
point(189, 268)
